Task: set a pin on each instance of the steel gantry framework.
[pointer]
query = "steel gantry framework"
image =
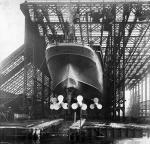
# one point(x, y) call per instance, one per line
point(23, 86)
point(118, 31)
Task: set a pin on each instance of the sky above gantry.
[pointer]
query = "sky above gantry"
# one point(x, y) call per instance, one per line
point(11, 27)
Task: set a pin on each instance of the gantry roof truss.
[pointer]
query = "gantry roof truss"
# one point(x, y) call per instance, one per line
point(130, 29)
point(12, 78)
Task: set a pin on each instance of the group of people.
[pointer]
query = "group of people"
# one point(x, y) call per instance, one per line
point(7, 115)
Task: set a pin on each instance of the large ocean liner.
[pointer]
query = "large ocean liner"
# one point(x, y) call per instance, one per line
point(75, 68)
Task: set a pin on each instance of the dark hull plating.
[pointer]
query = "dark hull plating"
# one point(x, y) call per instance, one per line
point(75, 66)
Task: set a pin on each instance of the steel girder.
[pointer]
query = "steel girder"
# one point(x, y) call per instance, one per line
point(17, 79)
point(123, 42)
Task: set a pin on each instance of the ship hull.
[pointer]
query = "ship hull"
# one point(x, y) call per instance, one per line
point(75, 66)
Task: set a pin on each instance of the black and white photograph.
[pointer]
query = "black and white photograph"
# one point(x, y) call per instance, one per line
point(75, 72)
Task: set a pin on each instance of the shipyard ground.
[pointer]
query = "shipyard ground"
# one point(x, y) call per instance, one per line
point(59, 131)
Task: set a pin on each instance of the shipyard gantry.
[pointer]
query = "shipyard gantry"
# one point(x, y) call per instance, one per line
point(118, 31)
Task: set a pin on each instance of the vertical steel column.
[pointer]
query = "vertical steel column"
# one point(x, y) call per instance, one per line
point(116, 105)
point(146, 95)
point(133, 95)
point(136, 94)
point(138, 98)
point(130, 94)
point(148, 89)
point(25, 84)
point(34, 99)
point(25, 69)
point(87, 28)
point(80, 26)
point(149, 95)
point(142, 98)
point(132, 101)
point(49, 92)
point(43, 95)
point(114, 77)
point(123, 85)
point(34, 91)
point(119, 89)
